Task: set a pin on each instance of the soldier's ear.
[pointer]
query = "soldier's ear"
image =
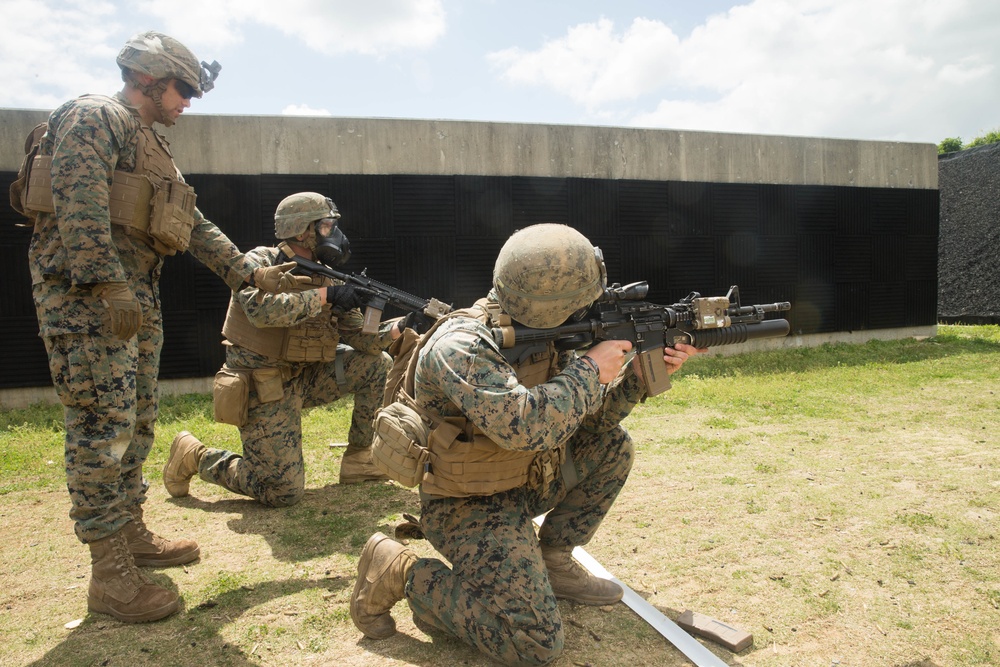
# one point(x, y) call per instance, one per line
point(141, 77)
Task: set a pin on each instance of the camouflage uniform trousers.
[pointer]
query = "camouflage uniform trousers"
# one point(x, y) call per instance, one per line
point(496, 596)
point(271, 468)
point(108, 388)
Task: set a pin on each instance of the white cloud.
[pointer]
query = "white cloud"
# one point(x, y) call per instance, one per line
point(893, 69)
point(303, 110)
point(374, 27)
point(73, 58)
point(912, 70)
point(53, 50)
point(594, 66)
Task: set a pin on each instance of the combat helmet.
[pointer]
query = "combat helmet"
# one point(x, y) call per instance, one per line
point(547, 272)
point(163, 57)
point(296, 212)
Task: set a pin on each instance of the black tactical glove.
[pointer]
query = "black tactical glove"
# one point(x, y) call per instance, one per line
point(416, 321)
point(344, 297)
point(124, 311)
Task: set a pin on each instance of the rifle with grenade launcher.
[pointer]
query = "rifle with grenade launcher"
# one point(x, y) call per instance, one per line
point(621, 314)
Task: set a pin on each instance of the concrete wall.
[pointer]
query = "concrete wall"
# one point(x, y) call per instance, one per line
point(251, 145)
point(295, 145)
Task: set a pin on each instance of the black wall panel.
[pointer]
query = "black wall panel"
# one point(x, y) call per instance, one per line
point(233, 203)
point(537, 200)
point(644, 206)
point(423, 204)
point(690, 266)
point(689, 209)
point(920, 297)
point(474, 272)
point(426, 265)
point(593, 207)
point(815, 209)
point(776, 260)
point(852, 258)
point(484, 207)
point(23, 360)
point(643, 258)
point(814, 307)
point(777, 211)
point(888, 255)
point(886, 307)
point(854, 211)
point(15, 290)
point(364, 202)
point(853, 299)
point(735, 209)
point(847, 258)
point(920, 258)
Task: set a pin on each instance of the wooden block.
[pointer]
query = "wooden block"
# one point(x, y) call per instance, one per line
point(732, 638)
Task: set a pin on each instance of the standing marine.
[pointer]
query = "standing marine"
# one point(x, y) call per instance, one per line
point(108, 205)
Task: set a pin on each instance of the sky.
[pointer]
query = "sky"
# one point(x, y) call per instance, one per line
point(887, 70)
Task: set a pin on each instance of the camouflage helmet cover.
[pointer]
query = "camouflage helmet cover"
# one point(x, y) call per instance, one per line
point(163, 57)
point(296, 212)
point(545, 273)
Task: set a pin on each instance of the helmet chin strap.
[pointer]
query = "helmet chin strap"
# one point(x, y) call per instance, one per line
point(309, 242)
point(154, 91)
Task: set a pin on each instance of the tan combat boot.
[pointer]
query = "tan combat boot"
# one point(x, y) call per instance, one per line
point(119, 589)
point(571, 581)
point(185, 455)
point(151, 550)
point(382, 571)
point(357, 467)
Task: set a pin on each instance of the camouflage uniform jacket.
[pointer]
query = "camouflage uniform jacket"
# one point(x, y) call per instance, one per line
point(288, 310)
point(462, 372)
point(77, 247)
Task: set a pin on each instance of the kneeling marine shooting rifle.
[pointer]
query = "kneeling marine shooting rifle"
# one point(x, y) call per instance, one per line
point(379, 295)
point(621, 314)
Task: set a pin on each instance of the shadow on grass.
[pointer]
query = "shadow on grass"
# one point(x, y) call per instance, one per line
point(424, 652)
point(190, 637)
point(328, 520)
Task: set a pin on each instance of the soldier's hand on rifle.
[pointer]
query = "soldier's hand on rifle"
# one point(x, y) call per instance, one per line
point(609, 356)
point(344, 297)
point(416, 321)
point(673, 357)
point(278, 279)
point(123, 309)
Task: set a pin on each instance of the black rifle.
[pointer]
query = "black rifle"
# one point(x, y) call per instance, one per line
point(621, 314)
point(379, 295)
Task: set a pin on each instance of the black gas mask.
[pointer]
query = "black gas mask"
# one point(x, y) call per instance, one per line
point(334, 249)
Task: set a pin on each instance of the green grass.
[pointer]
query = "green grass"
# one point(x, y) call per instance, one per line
point(840, 502)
